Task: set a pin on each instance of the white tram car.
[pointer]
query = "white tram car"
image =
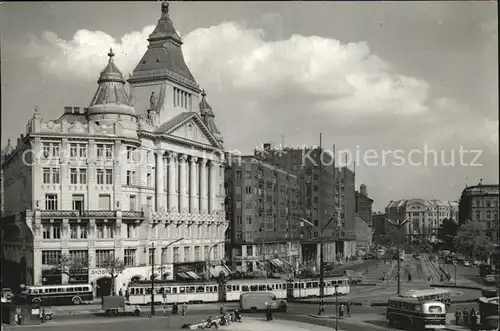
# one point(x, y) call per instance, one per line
point(200, 292)
point(168, 293)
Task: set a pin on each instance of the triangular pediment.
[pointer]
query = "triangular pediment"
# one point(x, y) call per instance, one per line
point(190, 128)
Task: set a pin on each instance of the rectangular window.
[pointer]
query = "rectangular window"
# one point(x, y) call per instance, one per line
point(73, 150)
point(248, 174)
point(176, 254)
point(82, 151)
point(46, 175)
point(249, 220)
point(99, 231)
point(50, 201)
point(55, 150)
point(100, 151)
point(109, 176)
point(46, 231)
point(129, 177)
point(55, 175)
point(238, 174)
point(103, 256)
point(56, 231)
point(83, 231)
point(83, 176)
point(73, 176)
point(186, 254)
point(131, 230)
point(100, 176)
point(73, 230)
point(148, 180)
point(46, 149)
point(51, 257)
point(108, 150)
point(129, 153)
point(129, 257)
point(197, 256)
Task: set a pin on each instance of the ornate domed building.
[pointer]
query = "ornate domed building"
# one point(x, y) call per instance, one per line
point(137, 175)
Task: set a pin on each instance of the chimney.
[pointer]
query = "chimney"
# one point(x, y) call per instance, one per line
point(76, 110)
point(68, 110)
point(363, 190)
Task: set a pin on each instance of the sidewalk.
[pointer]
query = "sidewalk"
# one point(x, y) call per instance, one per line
point(260, 324)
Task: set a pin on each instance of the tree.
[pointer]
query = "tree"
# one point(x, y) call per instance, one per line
point(447, 232)
point(471, 238)
point(114, 266)
point(73, 265)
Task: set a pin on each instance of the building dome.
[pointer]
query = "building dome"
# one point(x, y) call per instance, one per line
point(111, 96)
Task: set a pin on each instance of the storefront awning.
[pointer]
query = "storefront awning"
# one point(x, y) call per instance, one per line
point(184, 275)
point(276, 262)
point(217, 269)
point(284, 261)
point(226, 269)
point(192, 274)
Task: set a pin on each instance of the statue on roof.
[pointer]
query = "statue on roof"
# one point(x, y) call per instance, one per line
point(152, 101)
point(36, 114)
point(164, 7)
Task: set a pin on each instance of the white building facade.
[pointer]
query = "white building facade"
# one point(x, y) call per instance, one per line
point(141, 167)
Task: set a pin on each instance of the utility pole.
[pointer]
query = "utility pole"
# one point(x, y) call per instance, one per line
point(398, 223)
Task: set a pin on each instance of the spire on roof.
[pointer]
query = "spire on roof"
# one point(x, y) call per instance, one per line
point(208, 116)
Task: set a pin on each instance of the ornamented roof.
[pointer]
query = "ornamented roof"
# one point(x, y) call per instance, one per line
point(164, 53)
point(208, 117)
point(111, 96)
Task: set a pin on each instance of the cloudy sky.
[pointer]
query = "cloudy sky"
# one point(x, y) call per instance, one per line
point(372, 77)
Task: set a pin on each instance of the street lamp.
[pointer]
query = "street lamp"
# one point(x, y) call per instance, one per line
point(321, 262)
point(153, 274)
point(207, 272)
point(398, 223)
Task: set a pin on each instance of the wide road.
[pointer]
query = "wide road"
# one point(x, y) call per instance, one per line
point(362, 318)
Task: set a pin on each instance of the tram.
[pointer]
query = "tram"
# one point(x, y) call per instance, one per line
point(168, 292)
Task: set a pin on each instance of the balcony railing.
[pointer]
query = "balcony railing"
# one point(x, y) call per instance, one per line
point(90, 214)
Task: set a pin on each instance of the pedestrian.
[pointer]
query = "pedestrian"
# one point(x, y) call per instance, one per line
point(409, 278)
point(349, 308)
point(466, 317)
point(473, 319)
point(322, 309)
point(341, 311)
point(458, 314)
point(184, 309)
point(222, 309)
point(120, 292)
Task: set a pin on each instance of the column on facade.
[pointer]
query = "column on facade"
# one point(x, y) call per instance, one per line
point(193, 190)
point(64, 178)
point(173, 205)
point(183, 194)
point(160, 191)
point(203, 186)
point(117, 174)
point(92, 199)
point(213, 187)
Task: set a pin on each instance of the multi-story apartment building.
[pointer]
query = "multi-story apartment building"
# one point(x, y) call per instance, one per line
point(316, 181)
point(424, 216)
point(345, 204)
point(124, 178)
point(481, 203)
point(262, 206)
point(364, 228)
point(364, 204)
point(379, 228)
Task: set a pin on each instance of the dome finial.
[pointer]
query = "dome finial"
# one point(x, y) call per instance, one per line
point(111, 54)
point(203, 93)
point(164, 7)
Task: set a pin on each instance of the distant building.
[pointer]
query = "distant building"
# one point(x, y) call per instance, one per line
point(379, 228)
point(364, 204)
point(364, 235)
point(364, 230)
point(123, 178)
point(481, 203)
point(317, 192)
point(424, 216)
point(262, 206)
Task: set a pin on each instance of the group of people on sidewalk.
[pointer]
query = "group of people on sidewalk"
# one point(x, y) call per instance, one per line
point(342, 310)
point(466, 318)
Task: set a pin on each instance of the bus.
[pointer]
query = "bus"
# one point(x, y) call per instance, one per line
point(57, 295)
point(438, 294)
point(417, 314)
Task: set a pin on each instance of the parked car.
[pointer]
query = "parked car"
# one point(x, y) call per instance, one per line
point(466, 263)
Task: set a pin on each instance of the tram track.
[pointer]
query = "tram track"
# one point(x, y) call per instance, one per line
point(436, 270)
